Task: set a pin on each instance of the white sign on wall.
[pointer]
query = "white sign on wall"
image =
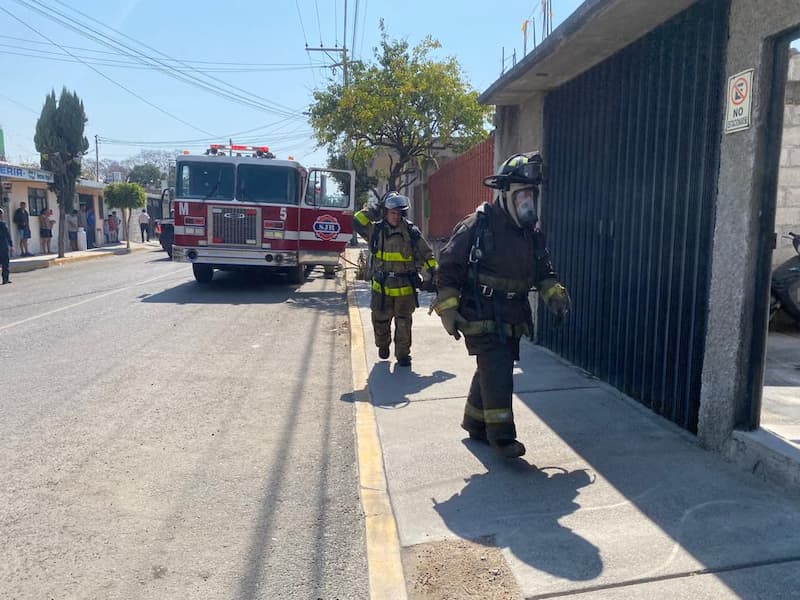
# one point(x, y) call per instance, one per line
point(739, 103)
point(7, 170)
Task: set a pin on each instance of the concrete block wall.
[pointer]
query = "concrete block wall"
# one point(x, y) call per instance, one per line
point(787, 210)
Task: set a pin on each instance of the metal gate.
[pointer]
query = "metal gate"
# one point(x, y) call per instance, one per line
point(632, 152)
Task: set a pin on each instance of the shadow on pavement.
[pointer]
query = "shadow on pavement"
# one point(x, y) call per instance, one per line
point(504, 493)
point(396, 384)
point(237, 288)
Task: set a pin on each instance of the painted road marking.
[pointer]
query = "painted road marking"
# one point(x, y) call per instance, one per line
point(386, 579)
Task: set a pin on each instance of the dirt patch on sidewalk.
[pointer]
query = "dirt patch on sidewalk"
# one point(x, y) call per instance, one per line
point(458, 570)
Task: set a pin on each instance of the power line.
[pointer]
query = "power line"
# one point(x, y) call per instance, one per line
point(267, 105)
point(355, 26)
point(117, 53)
point(61, 57)
point(91, 33)
point(20, 104)
point(104, 76)
point(300, 16)
point(319, 24)
point(283, 121)
point(363, 29)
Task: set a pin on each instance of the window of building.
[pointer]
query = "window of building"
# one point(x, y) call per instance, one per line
point(37, 201)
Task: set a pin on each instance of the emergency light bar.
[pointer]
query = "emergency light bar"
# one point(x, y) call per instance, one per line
point(256, 151)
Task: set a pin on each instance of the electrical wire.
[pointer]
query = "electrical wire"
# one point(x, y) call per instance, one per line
point(104, 76)
point(61, 57)
point(319, 24)
point(355, 26)
point(212, 63)
point(300, 16)
point(114, 44)
point(20, 104)
point(247, 98)
point(363, 28)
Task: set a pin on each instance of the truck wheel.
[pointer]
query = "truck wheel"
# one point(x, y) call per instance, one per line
point(203, 273)
point(297, 274)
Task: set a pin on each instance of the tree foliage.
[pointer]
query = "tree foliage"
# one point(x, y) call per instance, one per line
point(61, 144)
point(406, 102)
point(147, 175)
point(125, 196)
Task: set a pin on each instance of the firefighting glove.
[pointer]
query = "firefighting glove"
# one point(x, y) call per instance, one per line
point(429, 278)
point(446, 306)
point(556, 299)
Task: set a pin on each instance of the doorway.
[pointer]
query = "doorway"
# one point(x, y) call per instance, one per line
point(779, 409)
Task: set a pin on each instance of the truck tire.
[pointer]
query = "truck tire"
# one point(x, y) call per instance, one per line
point(297, 274)
point(203, 273)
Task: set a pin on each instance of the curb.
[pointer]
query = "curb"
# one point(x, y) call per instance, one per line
point(32, 265)
point(384, 563)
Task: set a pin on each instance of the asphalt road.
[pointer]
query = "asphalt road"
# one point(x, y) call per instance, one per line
point(161, 439)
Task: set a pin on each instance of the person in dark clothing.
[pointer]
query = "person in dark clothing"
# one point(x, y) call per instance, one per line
point(22, 221)
point(493, 259)
point(6, 246)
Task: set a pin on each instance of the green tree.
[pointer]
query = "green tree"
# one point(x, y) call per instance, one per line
point(147, 175)
point(405, 102)
point(126, 197)
point(61, 144)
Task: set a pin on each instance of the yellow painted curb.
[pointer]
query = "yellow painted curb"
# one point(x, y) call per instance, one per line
point(386, 579)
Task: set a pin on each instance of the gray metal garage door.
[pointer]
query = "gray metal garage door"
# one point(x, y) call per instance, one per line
point(632, 154)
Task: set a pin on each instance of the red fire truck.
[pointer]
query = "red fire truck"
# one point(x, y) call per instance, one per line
point(238, 207)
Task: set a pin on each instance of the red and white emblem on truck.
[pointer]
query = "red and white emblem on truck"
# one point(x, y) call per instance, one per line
point(326, 227)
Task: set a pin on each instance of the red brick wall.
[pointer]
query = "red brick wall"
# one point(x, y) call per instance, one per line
point(457, 188)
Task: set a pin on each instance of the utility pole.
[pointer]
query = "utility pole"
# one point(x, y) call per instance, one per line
point(96, 158)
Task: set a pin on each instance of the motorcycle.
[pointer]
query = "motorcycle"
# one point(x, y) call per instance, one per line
point(785, 285)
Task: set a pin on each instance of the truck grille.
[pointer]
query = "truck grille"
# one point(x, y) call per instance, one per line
point(233, 225)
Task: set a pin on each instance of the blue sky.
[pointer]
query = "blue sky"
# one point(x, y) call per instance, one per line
point(266, 32)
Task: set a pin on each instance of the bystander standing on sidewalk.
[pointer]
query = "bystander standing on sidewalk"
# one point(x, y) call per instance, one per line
point(22, 222)
point(46, 222)
point(112, 229)
point(117, 224)
point(6, 247)
point(144, 224)
point(90, 227)
point(72, 229)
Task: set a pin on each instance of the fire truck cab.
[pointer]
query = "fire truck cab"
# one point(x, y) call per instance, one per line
point(238, 207)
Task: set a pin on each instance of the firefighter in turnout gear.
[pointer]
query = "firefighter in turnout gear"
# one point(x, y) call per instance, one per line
point(494, 257)
point(401, 260)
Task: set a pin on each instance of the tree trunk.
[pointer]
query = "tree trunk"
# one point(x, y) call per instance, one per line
point(126, 225)
point(62, 225)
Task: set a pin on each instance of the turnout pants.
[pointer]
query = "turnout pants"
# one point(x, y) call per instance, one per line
point(488, 408)
point(399, 308)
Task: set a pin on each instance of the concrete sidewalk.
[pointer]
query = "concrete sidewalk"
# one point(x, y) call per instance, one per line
point(611, 501)
point(22, 264)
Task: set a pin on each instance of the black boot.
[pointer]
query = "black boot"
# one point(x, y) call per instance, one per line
point(508, 448)
point(383, 352)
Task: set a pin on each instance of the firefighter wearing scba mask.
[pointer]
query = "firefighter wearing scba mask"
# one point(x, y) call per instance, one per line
point(493, 259)
point(402, 261)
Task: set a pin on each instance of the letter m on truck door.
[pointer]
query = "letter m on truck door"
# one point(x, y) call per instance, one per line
point(326, 215)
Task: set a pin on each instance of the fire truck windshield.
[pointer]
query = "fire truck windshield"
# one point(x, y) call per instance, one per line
point(205, 181)
point(269, 184)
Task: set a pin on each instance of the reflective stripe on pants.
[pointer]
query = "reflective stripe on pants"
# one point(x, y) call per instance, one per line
point(488, 407)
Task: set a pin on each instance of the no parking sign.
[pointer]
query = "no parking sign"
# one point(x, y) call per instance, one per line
point(739, 102)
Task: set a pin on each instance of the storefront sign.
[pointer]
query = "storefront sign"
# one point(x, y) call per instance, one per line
point(7, 170)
